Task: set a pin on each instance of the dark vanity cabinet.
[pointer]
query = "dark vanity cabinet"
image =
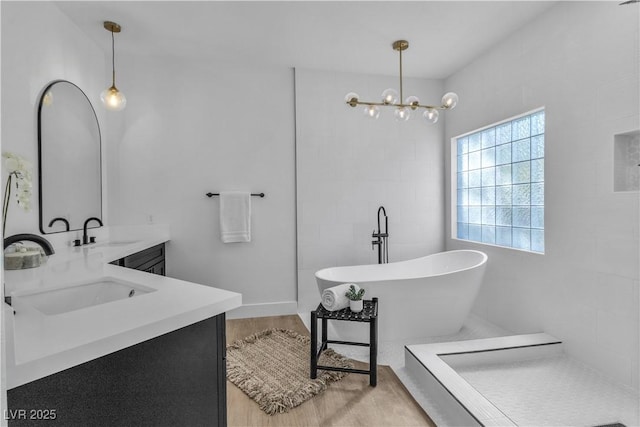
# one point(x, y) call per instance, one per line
point(176, 379)
point(151, 260)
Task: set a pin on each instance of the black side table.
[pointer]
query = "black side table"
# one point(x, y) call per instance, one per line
point(368, 314)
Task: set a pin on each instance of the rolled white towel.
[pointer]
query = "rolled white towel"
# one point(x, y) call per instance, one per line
point(334, 298)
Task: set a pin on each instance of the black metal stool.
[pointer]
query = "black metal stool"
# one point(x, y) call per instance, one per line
point(368, 314)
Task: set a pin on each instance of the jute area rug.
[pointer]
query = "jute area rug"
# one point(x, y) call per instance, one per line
point(272, 368)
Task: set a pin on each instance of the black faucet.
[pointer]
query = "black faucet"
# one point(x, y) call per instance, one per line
point(85, 237)
point(381, 238)
point(44, 243)
point(66, 223)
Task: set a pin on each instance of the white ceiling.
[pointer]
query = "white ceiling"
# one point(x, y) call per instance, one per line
point(349, 36)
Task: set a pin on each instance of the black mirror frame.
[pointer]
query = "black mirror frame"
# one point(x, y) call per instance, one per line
point(40, 104)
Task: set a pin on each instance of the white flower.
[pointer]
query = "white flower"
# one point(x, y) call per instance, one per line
point(18, 166)
point(21, 171)
point(11, 164)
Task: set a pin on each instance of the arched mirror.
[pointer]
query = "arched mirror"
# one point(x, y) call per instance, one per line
point(69, 158)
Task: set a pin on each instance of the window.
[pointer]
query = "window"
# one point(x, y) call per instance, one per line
point(500, 184)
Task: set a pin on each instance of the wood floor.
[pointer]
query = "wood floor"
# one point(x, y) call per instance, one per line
point(349, 402)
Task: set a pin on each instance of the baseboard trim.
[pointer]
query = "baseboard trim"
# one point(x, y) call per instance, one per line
point(282, 308)
point(306, 319)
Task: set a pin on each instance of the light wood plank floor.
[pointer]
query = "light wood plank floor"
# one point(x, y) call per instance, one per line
point(348, 402)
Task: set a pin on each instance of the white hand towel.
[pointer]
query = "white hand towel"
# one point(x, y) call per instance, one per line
point(235, 216)
point(334, 298)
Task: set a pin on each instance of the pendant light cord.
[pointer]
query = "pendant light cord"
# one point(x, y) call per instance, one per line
point(401, 98)
point(113, 60)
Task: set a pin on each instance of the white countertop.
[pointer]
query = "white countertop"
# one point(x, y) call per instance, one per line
point(39, 345)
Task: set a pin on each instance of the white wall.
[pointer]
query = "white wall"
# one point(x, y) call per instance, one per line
point(39, 44)
point(191, 127)
point(580, 61)
point(349, 165)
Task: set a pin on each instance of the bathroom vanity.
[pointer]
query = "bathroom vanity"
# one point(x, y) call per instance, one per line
point(155, 356)
point(151, 260)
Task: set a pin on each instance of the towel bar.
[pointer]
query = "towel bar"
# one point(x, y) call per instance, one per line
point(217, 194)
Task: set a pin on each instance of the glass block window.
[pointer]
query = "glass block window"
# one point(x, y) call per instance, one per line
point(500, 184)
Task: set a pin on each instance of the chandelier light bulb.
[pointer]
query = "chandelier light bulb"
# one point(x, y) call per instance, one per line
point(413, 101)
point(389, 96)
point(450, 100)
point(402, 114)
point(351, 99)
point(372, 111)
point(431, 115)
point(113, 99)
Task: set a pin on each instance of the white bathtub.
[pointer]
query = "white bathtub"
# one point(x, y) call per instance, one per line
point(428, 296)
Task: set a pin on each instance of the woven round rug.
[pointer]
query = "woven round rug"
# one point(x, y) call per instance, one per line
point(272, 368)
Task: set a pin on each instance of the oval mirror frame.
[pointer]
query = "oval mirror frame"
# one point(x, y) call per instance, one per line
point(69, 158)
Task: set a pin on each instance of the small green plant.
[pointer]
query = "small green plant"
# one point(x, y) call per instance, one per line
point(354, 295)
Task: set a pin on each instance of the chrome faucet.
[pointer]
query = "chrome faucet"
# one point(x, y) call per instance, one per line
point(381, 238)
point(85, 237)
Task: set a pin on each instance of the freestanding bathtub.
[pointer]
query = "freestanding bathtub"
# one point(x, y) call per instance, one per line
point(427, 296)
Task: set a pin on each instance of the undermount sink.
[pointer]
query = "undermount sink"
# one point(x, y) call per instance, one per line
point(64, 300)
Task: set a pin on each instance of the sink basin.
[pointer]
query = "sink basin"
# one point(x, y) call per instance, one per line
point(64, 300)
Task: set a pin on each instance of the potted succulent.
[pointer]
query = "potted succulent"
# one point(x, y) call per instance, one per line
point(355, 298)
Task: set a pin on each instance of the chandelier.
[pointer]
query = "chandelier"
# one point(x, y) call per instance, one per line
point(390, 98)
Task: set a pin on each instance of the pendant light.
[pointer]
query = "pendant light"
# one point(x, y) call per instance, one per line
point(390, 98)
point(111, 97)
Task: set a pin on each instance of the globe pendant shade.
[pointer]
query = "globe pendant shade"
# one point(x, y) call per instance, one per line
point(113, 99)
